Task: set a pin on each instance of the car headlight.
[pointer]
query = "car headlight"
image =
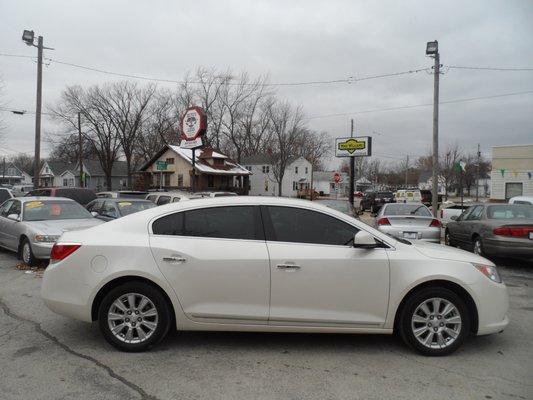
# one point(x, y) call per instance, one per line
point(489, 271)
point(46, 238)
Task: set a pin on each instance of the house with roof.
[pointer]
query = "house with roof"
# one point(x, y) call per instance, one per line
point(324, 184)
point(262, 182)
point(11, 174)
point(58, 173)
point(214, 171)
point(425, 182)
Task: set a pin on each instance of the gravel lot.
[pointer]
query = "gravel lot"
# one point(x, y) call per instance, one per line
point(46, 356)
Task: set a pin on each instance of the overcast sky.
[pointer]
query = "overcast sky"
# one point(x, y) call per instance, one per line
point(294, 41)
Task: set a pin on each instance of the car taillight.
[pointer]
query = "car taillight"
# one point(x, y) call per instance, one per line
point(383, 221)
point(514, 231)
point(62, 251)
point(435, 223)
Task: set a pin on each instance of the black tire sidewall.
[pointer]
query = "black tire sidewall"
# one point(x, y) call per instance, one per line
point(163, 310)
point(414, 301)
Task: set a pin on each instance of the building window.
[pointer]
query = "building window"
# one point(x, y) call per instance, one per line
point(306, 170)
point(210, 181)
point(266, 169)
point(71, 182)
point(170, 161)
point(167, 180)
point(294, 185)
point(513, 189)
point(65, 182)
point(295, 170)
point(266, 185)
point(218, 161)
point(180, 180)
point(249, 168)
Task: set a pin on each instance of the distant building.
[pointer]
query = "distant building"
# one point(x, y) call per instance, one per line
point(425, 182)
point(12, 174)
point(512, 172)
point(214, 171)
point(57, 173)
point(324, 184)
point(262, 182)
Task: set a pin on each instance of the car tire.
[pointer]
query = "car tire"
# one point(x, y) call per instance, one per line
point(478, 246)
point(434, 332)
point(127, 303)
point(448, 241)
point(26, 253)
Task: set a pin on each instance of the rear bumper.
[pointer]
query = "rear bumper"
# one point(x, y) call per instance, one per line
point(422, 233)
point(510, 248)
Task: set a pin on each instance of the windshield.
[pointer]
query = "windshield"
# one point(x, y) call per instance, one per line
point(510, 211)
point(407, 209)
point(54, 210)
point(130, 207)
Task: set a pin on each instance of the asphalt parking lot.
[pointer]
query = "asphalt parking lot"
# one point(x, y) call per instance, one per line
point(46, 356)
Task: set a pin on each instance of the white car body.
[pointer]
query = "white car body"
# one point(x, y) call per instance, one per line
point(237, 285)
point(521, 200)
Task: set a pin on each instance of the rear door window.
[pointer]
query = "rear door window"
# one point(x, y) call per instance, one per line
point(109, 210)
point(163, 200)
point(289, 224)
point(238, 222)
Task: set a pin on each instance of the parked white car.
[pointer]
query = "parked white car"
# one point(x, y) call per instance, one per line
point(21, 190)
point(521, 200)
point(162, 198)
point(268, 264)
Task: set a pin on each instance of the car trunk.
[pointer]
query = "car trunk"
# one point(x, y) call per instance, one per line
point(408, 220)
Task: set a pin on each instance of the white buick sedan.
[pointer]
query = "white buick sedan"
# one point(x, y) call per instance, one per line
point(268, 264)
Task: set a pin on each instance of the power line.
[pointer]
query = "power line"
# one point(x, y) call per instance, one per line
point(420, 105)
point(487, 68)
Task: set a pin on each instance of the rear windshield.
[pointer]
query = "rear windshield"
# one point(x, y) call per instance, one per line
point(510, 211)
point(130, 207)
point(384, 194)
point(82, 196)
point(4, 195)
point(132, 195)
point(407, 209)
point(53, 210)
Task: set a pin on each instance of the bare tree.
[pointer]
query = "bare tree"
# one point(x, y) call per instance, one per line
point(449, 158)
point(286, 127)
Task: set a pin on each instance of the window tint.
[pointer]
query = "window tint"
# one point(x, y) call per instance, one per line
point(218, 222)
point(306, 226)
point(109, 210)
point(152, 198)
point(163, 200)
point(4, 195)
point(15, 208)
point(475, 213)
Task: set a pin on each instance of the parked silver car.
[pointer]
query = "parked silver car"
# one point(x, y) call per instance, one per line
point(408, 221)
point(494, 230)
point(31, 225)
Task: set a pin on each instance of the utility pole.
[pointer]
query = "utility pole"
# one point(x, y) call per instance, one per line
point(4, 171)
point(406, 169)
point(193, 185)
point(37, 159)
point(432, 50)
point(352, 172)
point(477, 172)
point(80, 151)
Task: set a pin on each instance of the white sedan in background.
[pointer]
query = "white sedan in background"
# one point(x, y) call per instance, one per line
point(268, 264)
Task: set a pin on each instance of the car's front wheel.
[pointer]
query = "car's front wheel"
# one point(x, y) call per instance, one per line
point(26, 253)
point(134, 316)
point(478, 246)
point(434, 321)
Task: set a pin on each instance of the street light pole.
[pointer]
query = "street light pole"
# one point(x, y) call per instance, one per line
point(432, 50)
point(37, 157)
point(352, 172)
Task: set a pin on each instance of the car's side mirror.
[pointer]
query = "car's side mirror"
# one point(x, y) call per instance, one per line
point(454, 217)
point(364, 240)
point(14, 217)
point(94, 214)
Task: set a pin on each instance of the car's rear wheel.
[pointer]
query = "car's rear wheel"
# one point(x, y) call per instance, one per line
point(448, 241)
point(434, 321)
point(134, 316)
point(26, 253)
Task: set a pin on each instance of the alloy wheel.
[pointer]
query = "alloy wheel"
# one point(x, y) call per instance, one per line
point(477, 247)
point(436, 323)
point(26, 253)
point(132, 318)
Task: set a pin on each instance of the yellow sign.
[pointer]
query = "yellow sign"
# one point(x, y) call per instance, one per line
point(33, 204)
point(352, 145)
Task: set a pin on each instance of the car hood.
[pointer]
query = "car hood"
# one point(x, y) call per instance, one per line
point(439, 251)
point(57, 227)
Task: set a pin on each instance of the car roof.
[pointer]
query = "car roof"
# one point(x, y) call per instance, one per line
point(124, 199)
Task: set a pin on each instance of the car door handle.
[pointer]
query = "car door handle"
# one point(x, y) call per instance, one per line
point(288, 266)
point(174, 259)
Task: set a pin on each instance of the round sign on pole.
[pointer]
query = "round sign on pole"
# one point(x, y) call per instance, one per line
point(336, 177)
point(193, 125)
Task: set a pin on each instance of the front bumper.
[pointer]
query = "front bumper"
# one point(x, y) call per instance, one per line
point(492, 300)
point(42, 250)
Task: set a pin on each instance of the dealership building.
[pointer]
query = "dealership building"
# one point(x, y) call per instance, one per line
point(512, 172)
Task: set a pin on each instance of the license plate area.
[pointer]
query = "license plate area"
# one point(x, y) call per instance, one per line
point(410, 235)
